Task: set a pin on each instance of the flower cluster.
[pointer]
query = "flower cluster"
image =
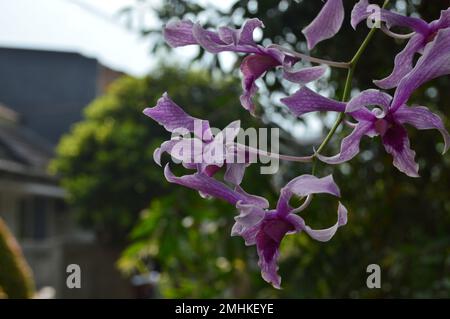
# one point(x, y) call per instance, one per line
point(374, 113)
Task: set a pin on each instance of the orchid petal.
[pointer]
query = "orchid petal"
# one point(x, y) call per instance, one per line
point(403, 63)
point(252, 199)
point(359, 13)
point(324, 235)
point(369, 97)
point(268, 242)
point(327, 23)
point(396, 143)
point(246, 31)
point(207, 185)
point(179, 33)
point(303, 186)
point(443, 21)
point(247, 221)
point(434, 62)
point(349, 145)
point(252, 68)
point(304, 75)
point(305, 100)
point(423, 119)
point(173, 118)
point(363, 10)
point(234, 173)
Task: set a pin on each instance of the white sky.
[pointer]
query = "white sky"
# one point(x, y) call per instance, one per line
point(89, 27)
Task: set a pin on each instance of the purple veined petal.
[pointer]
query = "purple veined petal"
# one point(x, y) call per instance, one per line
point(215, 152)
point(363, 10)
point(247, 222)
point(324, 235)
point(367, 98)
point(234, 173)
point(246, 31)
point(396, 143)
point(304, 75)
point(403, 63)
point(230, 132)
point(228, 35)
point(350, 144)
point(206, 185)
point(326, 24)
point(423, 119)
point(305, 100)
point(243, 36)
point(268, 241)
point(164, 148)
point(443, 21)
point(173, 118)
point(434, 62)
point(252, 199)
point(210, 40)
point(179, 33)
point(359, 12)
point(188, 151)
point(303, 186)
point(213, 42)
point(253, 67)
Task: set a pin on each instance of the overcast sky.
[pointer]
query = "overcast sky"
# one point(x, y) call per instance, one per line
point(89, 27)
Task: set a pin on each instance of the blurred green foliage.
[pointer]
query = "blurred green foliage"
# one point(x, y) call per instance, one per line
point(400, 223)
point(16, 279)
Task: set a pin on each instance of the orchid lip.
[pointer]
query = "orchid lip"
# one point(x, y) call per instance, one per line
point(378, 112)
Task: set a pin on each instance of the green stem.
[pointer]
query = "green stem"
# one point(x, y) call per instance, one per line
point(347, 90)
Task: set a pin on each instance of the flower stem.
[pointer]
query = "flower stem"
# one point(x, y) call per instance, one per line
point(347, 90)
point(343, 65)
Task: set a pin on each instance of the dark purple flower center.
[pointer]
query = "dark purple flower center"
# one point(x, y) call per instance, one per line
point(270, 236)
point(394, 136)
point(381, 126)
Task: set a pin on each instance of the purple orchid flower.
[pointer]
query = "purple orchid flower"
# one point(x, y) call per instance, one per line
point(425, 34)
point(197, 152)
point(387, 122)
point(263, 227)
point(258, 62)
point(327, 23)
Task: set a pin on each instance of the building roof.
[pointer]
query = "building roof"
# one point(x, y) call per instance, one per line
point(22, 151)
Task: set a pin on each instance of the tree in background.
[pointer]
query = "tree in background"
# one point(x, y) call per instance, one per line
point(16, 279)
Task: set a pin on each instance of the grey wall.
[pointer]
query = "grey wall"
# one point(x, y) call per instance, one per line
point(49, 89)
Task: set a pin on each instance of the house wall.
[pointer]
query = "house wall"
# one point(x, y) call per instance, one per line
point(50, 89)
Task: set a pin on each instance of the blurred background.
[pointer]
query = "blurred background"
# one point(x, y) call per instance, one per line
point(78, 184)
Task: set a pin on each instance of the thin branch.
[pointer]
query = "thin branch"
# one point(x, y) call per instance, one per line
point(342, 65)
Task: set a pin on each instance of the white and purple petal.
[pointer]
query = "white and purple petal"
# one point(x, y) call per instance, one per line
point(403, 62)
point(434, 62)
point(324, 235)
point(369, 97)
point(396, 143)
point(252, 68)
point(268, 241)
point(173, 118)
point(363, 10)
point(350, 144)
point(304, 75)
point(326, 24)
point(208, 186)
point(179, 33)
point(306, 100)
point(423, 119)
